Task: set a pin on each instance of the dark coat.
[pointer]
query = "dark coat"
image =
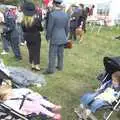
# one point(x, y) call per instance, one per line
point(57, 29)
point(11, 27)
point(32, 32)
point(73, 23)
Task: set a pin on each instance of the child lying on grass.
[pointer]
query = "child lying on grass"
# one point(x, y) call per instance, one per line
point(33, 102)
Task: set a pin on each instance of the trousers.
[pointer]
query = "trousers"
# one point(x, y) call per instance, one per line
point(56, 54)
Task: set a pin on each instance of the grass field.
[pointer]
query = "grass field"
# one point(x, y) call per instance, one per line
point(82, 64)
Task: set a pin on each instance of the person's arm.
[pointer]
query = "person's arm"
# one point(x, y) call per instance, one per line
point(1, 17)
point(39, 26)
point(103, 87)
point(50, 27)
point(117, 95)
point(67, 27)
point(23, 27)
point(10, 25)
point(38, 20)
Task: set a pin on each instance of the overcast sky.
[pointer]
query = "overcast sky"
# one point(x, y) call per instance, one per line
point(74, 1)
point(70, 1)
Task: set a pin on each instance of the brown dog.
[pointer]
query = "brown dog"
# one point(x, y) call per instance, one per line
point(79, 33)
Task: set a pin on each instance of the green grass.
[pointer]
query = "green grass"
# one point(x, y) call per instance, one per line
point(82, 64)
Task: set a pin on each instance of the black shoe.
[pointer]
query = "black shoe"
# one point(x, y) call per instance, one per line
point(59, 69)
point(47, 72)
point(118, 37)
point(18, 58)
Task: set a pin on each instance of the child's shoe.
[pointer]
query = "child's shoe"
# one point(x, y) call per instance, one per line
point(86, 113)
point(56, 109)
point(57, 117)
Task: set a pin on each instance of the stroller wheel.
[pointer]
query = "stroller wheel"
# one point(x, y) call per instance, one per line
point(105, 115)
point(79, 113)
point(80, 119)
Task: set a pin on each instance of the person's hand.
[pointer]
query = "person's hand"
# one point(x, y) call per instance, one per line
point(47, 38)
point(57, 117)
point(57, 109)
point(0, 20)
point(47, 41)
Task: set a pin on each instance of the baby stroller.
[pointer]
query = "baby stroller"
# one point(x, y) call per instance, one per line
point(6, 112)
point(111, 64)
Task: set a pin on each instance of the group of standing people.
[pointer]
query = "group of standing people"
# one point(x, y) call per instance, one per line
point(57, 25)
point(78, 16)
point(56, 34)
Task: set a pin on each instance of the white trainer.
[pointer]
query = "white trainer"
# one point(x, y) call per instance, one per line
point(4, 53)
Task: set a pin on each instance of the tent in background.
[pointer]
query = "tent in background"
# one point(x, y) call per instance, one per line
point(108, 10)
point(114, 12)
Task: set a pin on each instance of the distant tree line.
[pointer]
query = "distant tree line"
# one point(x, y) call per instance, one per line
point(15, 2)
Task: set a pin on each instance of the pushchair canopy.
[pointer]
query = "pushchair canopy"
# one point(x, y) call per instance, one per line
point(112, 64)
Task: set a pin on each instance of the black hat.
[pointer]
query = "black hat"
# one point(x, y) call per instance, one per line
point(29, 9)
point(57, 1)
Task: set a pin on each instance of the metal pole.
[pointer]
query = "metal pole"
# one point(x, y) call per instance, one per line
point(113, 110)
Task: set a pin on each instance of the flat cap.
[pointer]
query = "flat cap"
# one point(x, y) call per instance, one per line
point(58, 1)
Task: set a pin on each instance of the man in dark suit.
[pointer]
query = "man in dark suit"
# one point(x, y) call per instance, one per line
point(57, 32)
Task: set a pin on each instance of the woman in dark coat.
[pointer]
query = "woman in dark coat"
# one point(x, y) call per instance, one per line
point(31, 27)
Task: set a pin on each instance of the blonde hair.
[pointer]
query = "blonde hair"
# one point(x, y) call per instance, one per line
point(28, 20)
point(5, 90)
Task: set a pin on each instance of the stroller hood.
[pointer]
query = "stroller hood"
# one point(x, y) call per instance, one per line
point(4, 73)
point(112, 64)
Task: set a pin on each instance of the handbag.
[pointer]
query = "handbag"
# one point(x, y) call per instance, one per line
point(69, 44)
